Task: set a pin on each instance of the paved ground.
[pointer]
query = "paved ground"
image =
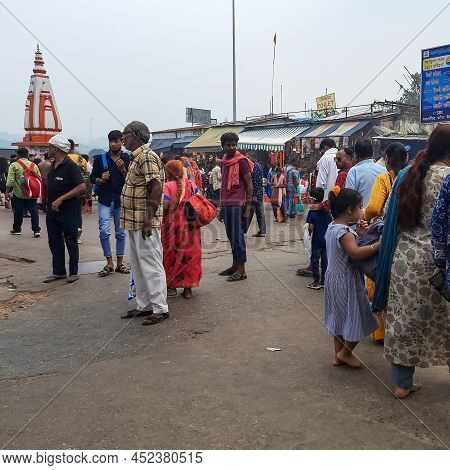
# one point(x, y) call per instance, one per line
point(81, 377)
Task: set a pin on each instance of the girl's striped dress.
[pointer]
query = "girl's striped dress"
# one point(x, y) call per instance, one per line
point(347, 308)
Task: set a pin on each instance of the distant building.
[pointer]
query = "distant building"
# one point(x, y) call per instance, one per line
point(42, 119)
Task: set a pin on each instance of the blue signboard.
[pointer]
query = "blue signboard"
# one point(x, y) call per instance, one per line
point(435, 89)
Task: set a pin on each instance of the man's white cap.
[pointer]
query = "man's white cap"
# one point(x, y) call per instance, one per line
point(60, 142)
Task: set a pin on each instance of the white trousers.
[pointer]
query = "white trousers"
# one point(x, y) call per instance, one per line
point(146, 258)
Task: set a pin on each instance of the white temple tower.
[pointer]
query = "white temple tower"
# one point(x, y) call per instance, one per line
point(42, 119)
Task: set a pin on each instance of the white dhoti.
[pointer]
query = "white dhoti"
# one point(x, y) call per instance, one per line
point(146, 258)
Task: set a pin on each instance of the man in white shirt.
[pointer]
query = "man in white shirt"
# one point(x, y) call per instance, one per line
point(215, 181)
point(326, 167)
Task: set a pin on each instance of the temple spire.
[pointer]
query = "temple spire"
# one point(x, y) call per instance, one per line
point(42, 119)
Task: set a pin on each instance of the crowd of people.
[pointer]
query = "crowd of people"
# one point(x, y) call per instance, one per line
point(379, 230)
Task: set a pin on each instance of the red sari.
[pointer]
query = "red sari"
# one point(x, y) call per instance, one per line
point(182, 245)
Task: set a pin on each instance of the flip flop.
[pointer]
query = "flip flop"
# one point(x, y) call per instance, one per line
point(227, 272)
point(187, 295)
point(53, 278)
point(237, 277)
point(123, 269)
point(153, 320)
point(106, 271)
point(136, 313)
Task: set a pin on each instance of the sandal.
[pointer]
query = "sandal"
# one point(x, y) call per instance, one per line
point(156, 318)
point(53, 278)
point(187, 294)
point(136, 313)
point(123, 269)
point(227, 272)
point(171, 292)
point(106, 271)
point(237, 277)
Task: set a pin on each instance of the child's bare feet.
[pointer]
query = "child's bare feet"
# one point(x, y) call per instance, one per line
point(346, 356)
point(403, 393)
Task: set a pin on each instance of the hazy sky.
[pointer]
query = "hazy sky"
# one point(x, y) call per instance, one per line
point(149, 60)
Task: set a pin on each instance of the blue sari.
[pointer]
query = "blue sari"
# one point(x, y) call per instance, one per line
point(387, 249)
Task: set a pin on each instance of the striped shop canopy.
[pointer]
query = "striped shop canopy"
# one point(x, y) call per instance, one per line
point(268, 137)
point(340, 129)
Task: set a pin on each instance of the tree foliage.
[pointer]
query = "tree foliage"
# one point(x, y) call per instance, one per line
point(411, 93)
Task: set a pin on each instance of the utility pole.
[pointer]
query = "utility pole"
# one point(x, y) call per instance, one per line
point(234, 64)
point(281, 98)
point(273, 65)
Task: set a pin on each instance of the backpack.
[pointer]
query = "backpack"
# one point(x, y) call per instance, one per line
point(85, 175)
point(31, 182)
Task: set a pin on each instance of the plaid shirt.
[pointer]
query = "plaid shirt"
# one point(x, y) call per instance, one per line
point(145, 166)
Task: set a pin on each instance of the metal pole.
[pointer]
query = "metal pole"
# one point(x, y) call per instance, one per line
point(234, 66)
point(273, 69)
point(281, 98)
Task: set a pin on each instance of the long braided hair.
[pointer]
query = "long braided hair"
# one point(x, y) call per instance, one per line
point(175, 172)
point(410, 190)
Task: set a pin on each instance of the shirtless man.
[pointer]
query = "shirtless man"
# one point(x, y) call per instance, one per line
point(44, 168)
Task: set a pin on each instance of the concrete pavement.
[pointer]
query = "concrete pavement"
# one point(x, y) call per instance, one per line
point(204, 378)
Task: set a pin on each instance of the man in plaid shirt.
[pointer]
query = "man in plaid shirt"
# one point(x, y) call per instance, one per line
point(141, 215)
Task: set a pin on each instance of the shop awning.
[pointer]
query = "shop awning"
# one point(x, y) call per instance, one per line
point(341, 129)
point(319, 130)
point(181, 142)
point(161, 145)
point(268, 137)
point(347, 129)
point(210, 140)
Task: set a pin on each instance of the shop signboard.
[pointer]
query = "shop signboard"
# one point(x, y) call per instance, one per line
point(198, 116)
point(326, 102)
point(435, 89)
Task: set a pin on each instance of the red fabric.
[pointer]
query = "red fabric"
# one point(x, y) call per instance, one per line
point(182, 245)
point(197, 175)
point(237, 195)
point(206, 211)
point(233, 164)
point(32, 188)
point(342, 177)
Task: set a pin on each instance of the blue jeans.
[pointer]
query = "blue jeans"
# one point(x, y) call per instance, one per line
point(236, 228)
point(105, 213)
point(20, 206)
point(258, 209)
point(290, 192)
point(319, 253)
point(402, 376)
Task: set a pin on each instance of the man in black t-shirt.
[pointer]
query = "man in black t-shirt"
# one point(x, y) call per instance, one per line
point(65, 184)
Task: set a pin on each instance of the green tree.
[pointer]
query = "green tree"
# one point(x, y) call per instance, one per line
point(411, 93)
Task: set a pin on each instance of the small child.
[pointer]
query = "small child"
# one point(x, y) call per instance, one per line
point(318, 222)
point(348, 316)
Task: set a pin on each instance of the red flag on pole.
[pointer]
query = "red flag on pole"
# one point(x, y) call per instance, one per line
point(275, 38)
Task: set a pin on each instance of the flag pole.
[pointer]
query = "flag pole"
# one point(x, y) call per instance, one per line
point(273, 64)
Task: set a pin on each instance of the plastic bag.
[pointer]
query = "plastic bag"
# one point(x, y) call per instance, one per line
point(307, 239)
point(298, 204)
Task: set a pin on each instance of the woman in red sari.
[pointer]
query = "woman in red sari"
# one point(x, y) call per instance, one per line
point(181, 241)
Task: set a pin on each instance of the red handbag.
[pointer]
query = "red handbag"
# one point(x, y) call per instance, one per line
point(199, 210)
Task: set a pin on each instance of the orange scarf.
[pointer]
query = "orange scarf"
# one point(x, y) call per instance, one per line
point(233, 163)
